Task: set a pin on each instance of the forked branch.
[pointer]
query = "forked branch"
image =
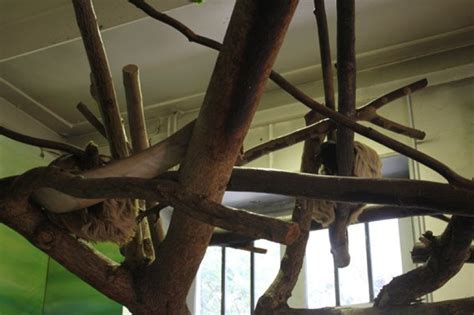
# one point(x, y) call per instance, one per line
point(108, 277)
point(449, 253)
point(42, 143)
point(52, 180)
point(367, 113)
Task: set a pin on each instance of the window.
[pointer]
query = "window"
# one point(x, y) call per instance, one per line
point(230, 281)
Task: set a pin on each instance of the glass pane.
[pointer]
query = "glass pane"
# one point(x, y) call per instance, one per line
point(386, 253)
point(353, 280)
point(237, 282)
point(266, 266)
point(320, 271)
point(208, 285)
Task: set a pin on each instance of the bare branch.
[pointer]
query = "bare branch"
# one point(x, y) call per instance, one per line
point(369, 111)
point(90, 117)
point(450, 252)
point(366, 113)
point(92, 267)
point(397, 192)
point(283, 284)
point(421, 253)
point(103, 84)
point(325, 52)
point(140, 249)
point(460, 306)
point(194, 205)
point(135, 112)
point(346, 78)
point(370, 214)
point(42, 143)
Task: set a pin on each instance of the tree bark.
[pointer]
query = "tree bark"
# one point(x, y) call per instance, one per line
point(450, 252)
point(251, 43)
point(451, 307)
point(282, 287)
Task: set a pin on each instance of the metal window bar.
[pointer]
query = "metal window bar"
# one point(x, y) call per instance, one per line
point(252, 281)
point(368, 253)
point(223, 281)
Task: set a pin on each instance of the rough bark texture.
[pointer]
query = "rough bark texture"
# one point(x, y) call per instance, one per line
point(450, 252)
point(281, 288)
point(421, 252)
point(370, 214)
point(87, 22)
point(106, 276)
point(346, 78)
point(141, 245)
point(453, 307)
point(253, 38)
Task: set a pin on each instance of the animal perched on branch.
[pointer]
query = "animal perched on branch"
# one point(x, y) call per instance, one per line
point(110, 221)
point(367, 163)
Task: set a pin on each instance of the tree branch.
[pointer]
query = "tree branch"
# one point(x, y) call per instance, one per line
point(421, 253)
point(42, 143)
point(86, 20)
point(140, 250)
point(346, 78)
point(450, 252)
point(108, 277)
point(370, 214)
point(397, 192)
point(53, 180)
point(367, 113)
point(90, 117)
point(325, 53)
point(460, 306)
point(282, 287)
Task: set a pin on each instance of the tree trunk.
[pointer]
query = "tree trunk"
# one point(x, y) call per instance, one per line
point(253, 38)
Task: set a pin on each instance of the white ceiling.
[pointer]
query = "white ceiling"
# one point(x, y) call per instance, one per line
point(44, 69)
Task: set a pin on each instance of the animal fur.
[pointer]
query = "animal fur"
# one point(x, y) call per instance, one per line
point(110, 221)
point(367, 163)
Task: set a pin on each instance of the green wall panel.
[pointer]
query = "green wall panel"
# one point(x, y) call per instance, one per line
point(22, 266)
point(30, 282)
point(67, 294)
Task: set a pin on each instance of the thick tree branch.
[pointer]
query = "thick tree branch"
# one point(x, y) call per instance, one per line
point(346, 78)
point(460, 307)
point(90, 117)
point(140, 250)
point(397, 192)
point(146, 164)
point(282, 287)
point(450, 252)
point(42, 143)
point(252, 41)
point(370, 214)
point(92, 267)
point(53, 180)
point(421, 253)
point(86, 20)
